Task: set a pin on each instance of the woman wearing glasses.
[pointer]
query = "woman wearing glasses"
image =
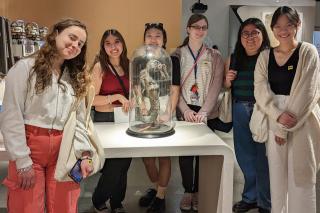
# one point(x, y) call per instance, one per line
point(287, 89)
point(111, 81)
point(202, 71)
point(251, 156)
point(155, 34)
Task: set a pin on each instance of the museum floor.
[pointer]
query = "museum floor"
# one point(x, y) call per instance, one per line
point(138, 183)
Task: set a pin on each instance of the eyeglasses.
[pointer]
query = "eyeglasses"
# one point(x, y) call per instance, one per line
point(286, 27)
point(153, 25)
point(197, 27)
point(252, 34)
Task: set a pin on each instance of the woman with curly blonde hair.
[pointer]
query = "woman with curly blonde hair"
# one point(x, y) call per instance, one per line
point(40, 92)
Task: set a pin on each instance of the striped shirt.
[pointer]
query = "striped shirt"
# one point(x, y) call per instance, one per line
point(242, 86)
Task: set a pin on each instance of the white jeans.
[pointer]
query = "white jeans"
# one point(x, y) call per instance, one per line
point(286, 197)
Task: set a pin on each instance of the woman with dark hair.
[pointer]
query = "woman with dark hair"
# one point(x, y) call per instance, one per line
point(202, 71)
point(155, 34)
point(111, 80)
point(40, 92)
point(251, 156)
point(286, 88)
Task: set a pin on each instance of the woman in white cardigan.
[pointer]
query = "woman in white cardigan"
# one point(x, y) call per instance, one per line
point(287, 90)
point(40, 92)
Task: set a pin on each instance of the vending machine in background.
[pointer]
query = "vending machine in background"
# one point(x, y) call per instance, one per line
point(6, 56)
point(26, 38)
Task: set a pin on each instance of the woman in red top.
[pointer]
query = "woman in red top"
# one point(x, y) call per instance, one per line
point(111, 81)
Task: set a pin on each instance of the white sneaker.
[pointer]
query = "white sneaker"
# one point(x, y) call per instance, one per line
point(195, 201)
point(186, 202)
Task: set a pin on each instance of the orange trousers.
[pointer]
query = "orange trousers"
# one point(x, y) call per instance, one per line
point(47, 194)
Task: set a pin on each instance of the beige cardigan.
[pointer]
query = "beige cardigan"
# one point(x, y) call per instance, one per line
point(303, 102)
point(210, 106)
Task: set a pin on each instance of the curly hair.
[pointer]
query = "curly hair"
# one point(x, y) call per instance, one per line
point(47, 55)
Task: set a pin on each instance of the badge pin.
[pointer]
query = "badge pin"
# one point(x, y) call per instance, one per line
point(290, 67)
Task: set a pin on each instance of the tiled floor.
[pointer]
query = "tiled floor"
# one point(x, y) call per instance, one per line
point(137, 184)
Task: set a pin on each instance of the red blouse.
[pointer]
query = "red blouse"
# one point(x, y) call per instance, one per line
point(110, 85)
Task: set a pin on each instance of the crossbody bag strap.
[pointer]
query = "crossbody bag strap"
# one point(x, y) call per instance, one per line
point(89, 100)
point(194, 64)
point(120, 81)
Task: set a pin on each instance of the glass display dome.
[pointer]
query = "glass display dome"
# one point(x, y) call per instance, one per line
point(150, 81)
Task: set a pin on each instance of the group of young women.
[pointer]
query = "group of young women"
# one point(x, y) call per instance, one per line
point(282, 81)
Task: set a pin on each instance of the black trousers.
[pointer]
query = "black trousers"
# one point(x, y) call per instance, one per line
point(112, 183)
point(190, 170)
point(113, 180)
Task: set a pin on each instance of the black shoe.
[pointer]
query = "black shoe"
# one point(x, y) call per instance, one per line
point(103, 209)
point(147, 198)
point(243, 206)
point(119, 210)
point(157, 206)
point(262, 210)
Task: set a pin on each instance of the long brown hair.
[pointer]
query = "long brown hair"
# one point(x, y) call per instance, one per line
point(46, 56)
point(103, 57)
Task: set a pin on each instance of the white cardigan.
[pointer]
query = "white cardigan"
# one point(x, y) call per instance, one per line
point(50, 109)
point(303, 102)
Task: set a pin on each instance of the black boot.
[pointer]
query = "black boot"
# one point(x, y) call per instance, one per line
point(243, 206)
point(157, 206)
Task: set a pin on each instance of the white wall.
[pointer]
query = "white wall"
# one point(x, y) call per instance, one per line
point(218, 16)
point(308, 20)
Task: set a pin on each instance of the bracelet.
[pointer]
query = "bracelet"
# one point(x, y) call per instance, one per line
point(87, 158)
point(25, 169)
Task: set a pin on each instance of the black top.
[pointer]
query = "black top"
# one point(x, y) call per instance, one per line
point(281, 77)
point(175, 70)
point(243, 86)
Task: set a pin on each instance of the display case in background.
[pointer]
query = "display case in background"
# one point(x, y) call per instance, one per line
point(6, 57)
point(27, 38)
point(150, 82)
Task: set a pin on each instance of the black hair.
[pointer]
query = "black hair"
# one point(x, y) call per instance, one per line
point(291, 14)
point(239, 51)
point(103, 57)
point(158, 26)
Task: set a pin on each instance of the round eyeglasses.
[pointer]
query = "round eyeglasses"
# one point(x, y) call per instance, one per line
point(252, 34)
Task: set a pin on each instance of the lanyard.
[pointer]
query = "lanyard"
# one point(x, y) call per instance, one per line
point(195, 59)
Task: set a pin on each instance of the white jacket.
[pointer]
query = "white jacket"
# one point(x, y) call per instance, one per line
point(303, 102)
point(50, 109)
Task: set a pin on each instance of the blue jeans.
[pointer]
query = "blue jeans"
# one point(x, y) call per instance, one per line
point(251, 157)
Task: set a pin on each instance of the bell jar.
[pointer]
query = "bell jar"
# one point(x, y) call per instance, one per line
point(150, 81)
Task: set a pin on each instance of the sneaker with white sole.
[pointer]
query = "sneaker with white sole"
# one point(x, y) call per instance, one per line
point(186, 202)
point(195, 201)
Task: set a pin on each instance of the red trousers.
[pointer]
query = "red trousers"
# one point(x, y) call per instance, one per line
point(47, 194)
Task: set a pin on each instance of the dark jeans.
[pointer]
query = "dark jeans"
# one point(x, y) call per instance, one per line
point(251, 157)
point(112, 183)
